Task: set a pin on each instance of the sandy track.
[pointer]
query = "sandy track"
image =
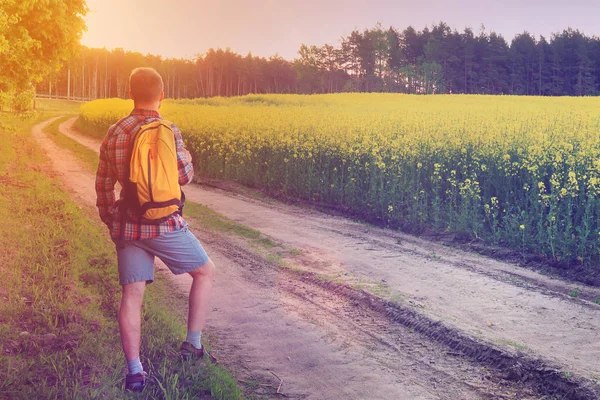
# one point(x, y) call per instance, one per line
point(265, 321)
point(496, 301)
point(325, 345)
point(255, 334)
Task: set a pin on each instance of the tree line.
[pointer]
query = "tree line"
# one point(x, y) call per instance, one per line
point(441, 60)
point(434, 60)
point(99, 73)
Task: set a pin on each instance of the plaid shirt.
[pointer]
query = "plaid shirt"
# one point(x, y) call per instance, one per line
point(112, 167)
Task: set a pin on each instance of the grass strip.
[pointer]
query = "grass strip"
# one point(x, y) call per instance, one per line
point(213, 221)
point(88, 156)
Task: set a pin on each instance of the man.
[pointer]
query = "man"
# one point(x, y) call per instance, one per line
point(138, 243)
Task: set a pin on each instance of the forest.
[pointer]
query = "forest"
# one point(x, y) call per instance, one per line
point(434, 60)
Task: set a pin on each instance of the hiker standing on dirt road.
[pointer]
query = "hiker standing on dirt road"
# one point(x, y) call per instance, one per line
point(138, 239)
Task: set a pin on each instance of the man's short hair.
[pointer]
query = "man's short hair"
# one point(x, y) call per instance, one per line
point(145, 85)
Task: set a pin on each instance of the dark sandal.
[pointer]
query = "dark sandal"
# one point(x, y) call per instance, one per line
point(189, 352)
point(136, 382)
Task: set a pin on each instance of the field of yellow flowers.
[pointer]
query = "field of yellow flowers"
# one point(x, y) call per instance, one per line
point(523, 172)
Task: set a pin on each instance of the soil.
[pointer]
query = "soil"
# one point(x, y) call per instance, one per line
point(445, 324)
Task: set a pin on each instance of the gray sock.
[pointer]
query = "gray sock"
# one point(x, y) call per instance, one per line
point(134, 366)
point(194, 339)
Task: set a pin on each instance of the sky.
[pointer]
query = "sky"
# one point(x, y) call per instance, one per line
point(184, 28)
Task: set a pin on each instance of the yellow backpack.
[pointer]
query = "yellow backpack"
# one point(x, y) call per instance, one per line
point(154, 188)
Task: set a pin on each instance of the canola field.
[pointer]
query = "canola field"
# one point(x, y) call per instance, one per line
point(522, 172)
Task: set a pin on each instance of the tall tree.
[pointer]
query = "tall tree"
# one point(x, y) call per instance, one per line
point(395, 61)
point(572, 67)
point(380, 50)
point(524, 62)
point(351, 56)
point(36, 40)
point(413, 43)
point(366, 52)
point(469, 77)
point(437, 52)
point(309, 69)
point(543, 73)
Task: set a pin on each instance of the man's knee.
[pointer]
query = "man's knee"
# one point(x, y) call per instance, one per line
point(205, 271)
point(134, 291)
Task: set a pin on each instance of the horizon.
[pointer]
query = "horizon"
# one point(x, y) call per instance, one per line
point(274, 33)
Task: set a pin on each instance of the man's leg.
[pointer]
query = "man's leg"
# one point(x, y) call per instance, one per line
point(199, 300)
point(182, 253)
point(130, 319)
point(136, 268)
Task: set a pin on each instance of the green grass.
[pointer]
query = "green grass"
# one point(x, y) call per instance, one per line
point(59, 278)
point(516, 345)
point(88, 156)
point(57, 107)
point(325, 277)
point(295, 252)
point(213, 221)
point(574, 293)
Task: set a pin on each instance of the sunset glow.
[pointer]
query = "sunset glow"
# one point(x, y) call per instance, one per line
point(182, 28)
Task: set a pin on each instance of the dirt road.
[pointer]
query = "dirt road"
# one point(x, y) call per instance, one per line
point(328, 345)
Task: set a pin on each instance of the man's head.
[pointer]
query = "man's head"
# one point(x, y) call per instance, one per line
point(146, 88)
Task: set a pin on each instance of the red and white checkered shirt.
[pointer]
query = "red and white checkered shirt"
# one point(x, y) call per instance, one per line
point(112, 167)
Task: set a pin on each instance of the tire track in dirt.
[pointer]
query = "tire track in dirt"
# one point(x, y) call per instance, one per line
point(409, 265)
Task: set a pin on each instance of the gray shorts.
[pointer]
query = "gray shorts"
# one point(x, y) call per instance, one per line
point(179, 250)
